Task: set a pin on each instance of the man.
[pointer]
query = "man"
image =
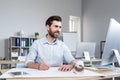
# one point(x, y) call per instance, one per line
point(49, 51)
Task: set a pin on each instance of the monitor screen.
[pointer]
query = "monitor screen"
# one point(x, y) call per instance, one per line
point(112, 42)
point(70, 39)
point(85, 47)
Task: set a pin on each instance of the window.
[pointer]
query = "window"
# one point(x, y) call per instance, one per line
point(74, 26)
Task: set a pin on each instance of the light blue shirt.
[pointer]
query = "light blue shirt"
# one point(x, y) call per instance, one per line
point(53, 54)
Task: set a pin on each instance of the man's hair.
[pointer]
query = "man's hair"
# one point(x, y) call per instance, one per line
point(53, 18)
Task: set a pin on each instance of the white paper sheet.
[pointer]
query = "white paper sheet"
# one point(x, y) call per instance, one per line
point(52, 72)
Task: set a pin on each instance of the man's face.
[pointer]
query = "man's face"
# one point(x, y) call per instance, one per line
point(55, 29)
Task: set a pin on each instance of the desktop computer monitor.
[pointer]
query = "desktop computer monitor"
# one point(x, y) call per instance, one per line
point(112, 45)
point(85, 47)
point(70, 39)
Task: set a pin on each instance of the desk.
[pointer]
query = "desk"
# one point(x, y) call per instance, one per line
point(109, 75)
point(93, 60)
point(8, 62)
point(90, 61)
point(105, 72)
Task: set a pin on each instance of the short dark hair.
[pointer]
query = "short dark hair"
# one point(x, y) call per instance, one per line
point(51, 19)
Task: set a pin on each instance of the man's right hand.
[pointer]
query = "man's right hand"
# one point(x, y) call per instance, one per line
point(43, 66)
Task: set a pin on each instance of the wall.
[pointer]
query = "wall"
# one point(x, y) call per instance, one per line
point(30, 16)
point(96, 17)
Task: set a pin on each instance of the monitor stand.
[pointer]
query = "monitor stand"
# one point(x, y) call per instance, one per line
point(117, 55)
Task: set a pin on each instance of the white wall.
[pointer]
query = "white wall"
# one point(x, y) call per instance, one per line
point(30, 16)
point(96, 17)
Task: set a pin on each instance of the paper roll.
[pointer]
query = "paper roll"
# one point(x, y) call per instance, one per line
point(79, 66)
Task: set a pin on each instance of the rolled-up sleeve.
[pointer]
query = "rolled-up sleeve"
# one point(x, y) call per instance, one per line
point(67, 54)
point(32, 54)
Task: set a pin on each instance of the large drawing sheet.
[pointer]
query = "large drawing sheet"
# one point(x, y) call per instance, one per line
point(52, 72)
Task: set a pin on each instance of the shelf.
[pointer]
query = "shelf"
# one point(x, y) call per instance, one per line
point(15, 46)
point(19, 46)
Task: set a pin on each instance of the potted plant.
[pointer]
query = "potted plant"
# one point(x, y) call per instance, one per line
point(37, 35)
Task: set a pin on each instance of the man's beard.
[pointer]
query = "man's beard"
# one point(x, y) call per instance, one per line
point(54, 34)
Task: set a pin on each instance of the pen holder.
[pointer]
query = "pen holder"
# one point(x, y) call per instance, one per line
point(79, 67)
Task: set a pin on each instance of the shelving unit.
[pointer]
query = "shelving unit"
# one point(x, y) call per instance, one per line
point(19, 46)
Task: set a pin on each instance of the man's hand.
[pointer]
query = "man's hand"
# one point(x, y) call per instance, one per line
point(66, 67)
point(43, 66)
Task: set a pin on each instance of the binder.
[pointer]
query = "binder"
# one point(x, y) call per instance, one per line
point(17, 42)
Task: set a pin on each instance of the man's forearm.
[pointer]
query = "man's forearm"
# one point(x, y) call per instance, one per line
point(33, 65)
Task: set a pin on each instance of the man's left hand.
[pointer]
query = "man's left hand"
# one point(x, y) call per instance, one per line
point(66, 68)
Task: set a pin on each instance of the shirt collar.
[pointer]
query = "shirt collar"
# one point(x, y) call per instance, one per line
point(45, 41)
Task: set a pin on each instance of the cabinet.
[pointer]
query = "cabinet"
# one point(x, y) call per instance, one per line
point(19, 46)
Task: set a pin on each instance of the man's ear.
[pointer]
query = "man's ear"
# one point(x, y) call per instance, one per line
point(47, 27)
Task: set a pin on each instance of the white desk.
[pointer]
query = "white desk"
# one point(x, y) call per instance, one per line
point(90, 61)
point(8, 62)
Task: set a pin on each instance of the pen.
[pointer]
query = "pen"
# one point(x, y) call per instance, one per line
point(43, 65)
point(41, 60)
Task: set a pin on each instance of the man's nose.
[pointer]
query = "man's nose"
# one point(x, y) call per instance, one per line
point(59, 29)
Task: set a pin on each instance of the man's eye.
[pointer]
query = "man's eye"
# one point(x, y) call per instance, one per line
point(60, 26)
point(56, 26)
